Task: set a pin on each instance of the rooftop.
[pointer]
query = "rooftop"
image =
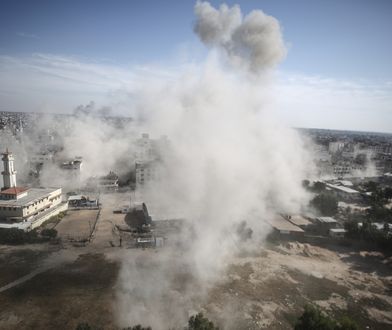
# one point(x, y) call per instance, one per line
point(279, 223)
point(342, 188)
point(299, 220)
point(33, 195)
point(13, 191)
point(337, 230)
point(326, 219)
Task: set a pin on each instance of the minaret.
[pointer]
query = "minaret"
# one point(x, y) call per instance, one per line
point(9, 174)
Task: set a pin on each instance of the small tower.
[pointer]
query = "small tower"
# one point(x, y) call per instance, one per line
point(9, 174)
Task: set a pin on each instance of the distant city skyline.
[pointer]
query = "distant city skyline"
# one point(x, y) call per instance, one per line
point(55, 55)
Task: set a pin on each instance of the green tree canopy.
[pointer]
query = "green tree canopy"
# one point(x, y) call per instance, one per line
point(326, 204)
point(199, 322)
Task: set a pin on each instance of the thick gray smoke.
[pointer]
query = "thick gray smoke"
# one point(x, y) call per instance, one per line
point(230, 160)
point(253, 42)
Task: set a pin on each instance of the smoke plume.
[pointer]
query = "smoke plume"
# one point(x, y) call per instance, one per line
point(253, 42)
point(230, 160)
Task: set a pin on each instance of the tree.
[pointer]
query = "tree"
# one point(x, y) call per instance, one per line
point(318, 186)
point(352, 229)
point(199, 322)
point(371, 186)
point(379, 212)
point(388, 193)
point(326, 204)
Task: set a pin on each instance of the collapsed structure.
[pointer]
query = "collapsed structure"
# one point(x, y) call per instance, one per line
point(22, 207)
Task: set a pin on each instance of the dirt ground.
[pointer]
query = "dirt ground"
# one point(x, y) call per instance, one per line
point(63, 297)
point(77, 224)
point(268, 288)
point(263, 287)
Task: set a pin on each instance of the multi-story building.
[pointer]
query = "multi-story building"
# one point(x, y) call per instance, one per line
point(23, 207)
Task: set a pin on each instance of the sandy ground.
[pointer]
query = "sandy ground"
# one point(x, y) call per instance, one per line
point(77, 224)
point(263, 287)
point(269, 287)
point(105, 234)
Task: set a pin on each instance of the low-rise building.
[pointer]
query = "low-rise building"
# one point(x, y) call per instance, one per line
point(324, 224)
point(337, 232)
point(345, 193)
point(283, 227)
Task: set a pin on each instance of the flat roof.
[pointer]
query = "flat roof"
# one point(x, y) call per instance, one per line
point(75, 197)
point(343, 188)
point(346, 183)
point(337, 230)
point(278, 222)
point(33, 194)
point(326, 219)
point(299, 220)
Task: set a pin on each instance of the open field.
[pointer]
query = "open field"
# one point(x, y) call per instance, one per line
point(16, 262)
point(263, 288)
point(77, 224)
point(62, 297)
point(268, 288)
point(46, 286)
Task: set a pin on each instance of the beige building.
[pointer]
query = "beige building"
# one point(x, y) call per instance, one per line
point(22, 207)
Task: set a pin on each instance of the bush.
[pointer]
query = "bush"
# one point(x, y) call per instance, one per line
point(49, 233)
point(313, 319)
point(16, 236)
point(83, 326)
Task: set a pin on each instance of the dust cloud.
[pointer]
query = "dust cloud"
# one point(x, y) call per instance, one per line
point(229, 160)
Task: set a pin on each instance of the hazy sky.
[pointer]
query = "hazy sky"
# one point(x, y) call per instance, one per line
point(57, 54)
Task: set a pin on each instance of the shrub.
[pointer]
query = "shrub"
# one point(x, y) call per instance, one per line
point(16, 236)
point(313, 319)
point(83, 326)
point(49, 233)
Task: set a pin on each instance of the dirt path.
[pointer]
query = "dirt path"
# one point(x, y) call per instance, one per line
point(105, 234)
point(25, 278)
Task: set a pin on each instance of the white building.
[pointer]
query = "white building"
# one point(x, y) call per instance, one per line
point(9, 173)
point(146, 172)
point(22, 207)
point(144, 149)
point(335, 147)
